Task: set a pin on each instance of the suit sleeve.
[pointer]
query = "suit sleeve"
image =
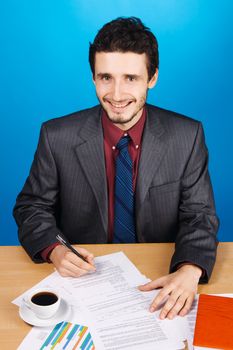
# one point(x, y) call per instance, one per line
point(36, 204)
point(196, 240)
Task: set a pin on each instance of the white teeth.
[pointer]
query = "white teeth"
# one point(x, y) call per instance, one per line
point(120, 106)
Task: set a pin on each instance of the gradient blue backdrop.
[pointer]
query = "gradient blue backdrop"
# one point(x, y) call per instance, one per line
point(44, 73)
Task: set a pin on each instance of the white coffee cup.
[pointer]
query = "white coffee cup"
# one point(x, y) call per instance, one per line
point(43, 302)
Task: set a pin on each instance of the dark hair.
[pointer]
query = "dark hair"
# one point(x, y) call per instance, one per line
point(126, 34)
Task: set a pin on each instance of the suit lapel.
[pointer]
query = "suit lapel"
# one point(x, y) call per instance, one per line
point(90, 153)
point(153, 150)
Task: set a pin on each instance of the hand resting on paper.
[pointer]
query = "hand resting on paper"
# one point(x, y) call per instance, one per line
point(70, 265)
point(179, 288)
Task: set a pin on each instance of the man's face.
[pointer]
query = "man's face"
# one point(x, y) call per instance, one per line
point(121, 82)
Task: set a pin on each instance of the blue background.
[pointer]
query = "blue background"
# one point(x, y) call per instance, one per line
point(44, 73)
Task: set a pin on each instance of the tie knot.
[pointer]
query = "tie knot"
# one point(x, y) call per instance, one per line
point(123, 142)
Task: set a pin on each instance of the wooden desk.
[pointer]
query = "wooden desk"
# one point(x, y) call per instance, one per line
point(18, 273)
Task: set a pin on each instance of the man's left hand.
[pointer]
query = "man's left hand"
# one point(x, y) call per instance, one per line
point(180, 287)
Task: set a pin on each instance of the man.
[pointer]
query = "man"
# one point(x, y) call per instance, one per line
point(123, 171)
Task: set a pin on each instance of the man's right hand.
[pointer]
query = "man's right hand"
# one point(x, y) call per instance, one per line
point(70, 265)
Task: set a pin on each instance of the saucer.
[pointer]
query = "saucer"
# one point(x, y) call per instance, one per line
point(61, 315)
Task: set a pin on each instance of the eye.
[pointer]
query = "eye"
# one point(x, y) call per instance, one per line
point(131, 78)
point(106, 77)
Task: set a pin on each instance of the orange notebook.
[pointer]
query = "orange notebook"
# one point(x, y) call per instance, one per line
point(214, 323)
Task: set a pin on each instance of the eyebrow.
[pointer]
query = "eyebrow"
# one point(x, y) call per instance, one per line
point(101, 75)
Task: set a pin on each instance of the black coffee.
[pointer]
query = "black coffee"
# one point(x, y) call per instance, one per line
point(44, 298)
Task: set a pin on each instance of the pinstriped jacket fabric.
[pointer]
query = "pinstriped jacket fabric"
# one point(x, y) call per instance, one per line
point(66, 189)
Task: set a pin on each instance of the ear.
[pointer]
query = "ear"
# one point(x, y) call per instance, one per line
point(154, 79)
point(93, 79)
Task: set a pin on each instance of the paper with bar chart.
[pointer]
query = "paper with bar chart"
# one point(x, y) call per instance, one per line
point(64, 336)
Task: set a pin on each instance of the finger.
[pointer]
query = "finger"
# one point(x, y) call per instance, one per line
point(165, 291)
point(86, 254)
point(90, 260)
point(187, 306)
point(152, 285)
point(74, 259)
point(170, 303)
point(65, 273)
point(73, 269)
point(180, 302)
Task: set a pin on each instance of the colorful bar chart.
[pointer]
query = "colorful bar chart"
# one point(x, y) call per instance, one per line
point(68, 336)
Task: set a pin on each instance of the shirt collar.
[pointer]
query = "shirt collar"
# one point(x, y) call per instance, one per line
point(112, 134)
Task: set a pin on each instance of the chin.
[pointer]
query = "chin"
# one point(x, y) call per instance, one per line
point(119, 119)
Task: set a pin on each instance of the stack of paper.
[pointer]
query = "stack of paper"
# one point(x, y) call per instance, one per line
point(115, 313)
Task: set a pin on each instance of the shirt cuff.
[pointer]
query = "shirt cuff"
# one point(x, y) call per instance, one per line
point(47, 251)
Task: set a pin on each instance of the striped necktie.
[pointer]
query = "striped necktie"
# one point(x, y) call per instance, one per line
point(124, 221)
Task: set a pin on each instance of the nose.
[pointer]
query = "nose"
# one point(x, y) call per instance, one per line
point(117, 91)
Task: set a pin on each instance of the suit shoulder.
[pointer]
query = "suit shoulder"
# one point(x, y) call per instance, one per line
point(181, 131)
point(77, 119)
point(171, 118)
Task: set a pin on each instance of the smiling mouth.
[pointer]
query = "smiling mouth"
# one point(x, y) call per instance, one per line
point(119, 105)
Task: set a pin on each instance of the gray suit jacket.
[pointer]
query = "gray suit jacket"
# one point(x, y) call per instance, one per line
point(67, 189)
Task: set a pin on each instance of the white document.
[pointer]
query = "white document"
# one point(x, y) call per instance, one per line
point(137, 332)
point(111, 294)
point(114, 272)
